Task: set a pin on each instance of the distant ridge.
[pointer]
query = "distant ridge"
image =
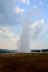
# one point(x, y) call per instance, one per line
point(13, 51)
point(35, 50)
point(7, 51)
point(42, 50)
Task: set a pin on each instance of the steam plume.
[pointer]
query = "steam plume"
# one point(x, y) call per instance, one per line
point(24, 44)
point(24, 39)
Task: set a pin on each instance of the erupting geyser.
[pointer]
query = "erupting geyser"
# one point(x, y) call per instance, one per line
point(24, 38)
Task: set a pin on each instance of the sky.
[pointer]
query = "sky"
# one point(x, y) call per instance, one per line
point(23, 23)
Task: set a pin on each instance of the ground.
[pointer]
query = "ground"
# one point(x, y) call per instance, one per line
point(24, 62)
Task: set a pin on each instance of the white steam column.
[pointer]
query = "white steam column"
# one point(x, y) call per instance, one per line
point(24, 39)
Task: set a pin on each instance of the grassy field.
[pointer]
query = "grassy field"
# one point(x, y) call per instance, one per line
point(24, 62)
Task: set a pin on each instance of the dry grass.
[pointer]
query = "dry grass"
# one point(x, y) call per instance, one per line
point(21, 62)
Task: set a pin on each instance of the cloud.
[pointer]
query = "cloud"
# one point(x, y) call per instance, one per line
point(35, 6)
point(8, 13)
point(19, 10)
point(40, 2)
point(8, 40)
point(26, 1)
point(5, 32)
point(38, 28)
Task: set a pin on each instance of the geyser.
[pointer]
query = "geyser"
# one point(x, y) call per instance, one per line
point(24, 38)
point(24, 44)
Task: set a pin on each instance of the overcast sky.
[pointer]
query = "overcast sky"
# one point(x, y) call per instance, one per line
point(24, 20)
